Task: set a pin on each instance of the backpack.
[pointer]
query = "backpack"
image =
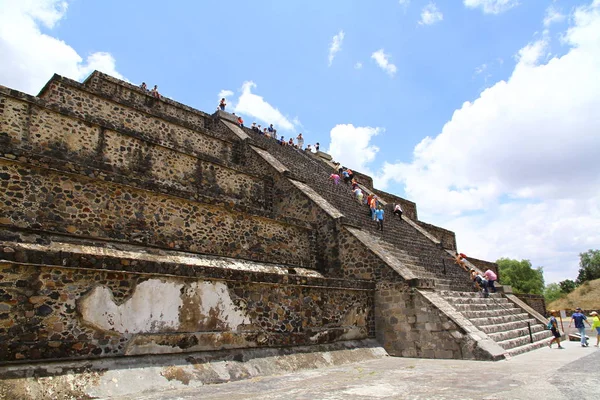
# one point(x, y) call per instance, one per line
point(549, 325)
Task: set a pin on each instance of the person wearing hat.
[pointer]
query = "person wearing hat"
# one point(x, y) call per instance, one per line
point(553, 323)
point(579, 319)
point(596, 326)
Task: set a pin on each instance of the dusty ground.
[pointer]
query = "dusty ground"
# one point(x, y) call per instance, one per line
point(547, 374)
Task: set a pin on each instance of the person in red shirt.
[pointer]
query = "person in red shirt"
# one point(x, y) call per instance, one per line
point(460, 260)
point(240, 122)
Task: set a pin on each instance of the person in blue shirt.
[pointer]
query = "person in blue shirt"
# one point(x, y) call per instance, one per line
point(579, 319)
point(379, 217)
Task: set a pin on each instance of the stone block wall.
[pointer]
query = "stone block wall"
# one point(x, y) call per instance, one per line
point(485, 265)
point(51, 312)
point(26, 128)
point(535, 301)
point(106, 166)
point(42, 199)
point(51, 134)
point(445, 236)
point(409, 208)
point(121, 92)
point(71, 96)
point(408, 325)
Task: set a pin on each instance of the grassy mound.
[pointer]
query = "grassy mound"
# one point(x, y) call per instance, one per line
point(586, 296)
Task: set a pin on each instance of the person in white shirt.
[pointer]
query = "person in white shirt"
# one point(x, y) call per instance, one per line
point(398, 210)
point(300, 141)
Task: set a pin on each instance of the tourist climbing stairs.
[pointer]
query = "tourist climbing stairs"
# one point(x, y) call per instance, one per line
point(420, 254)
point(504, 322)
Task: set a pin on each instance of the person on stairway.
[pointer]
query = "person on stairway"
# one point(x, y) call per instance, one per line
point(300, 141)
point(154, 92)
point(373, 206)
point(491, 278)
point(379, 215)
point(335, 178)
point(460, 260)
point(554, 329)
point(222, 104)
point(346, 176)
point(579, 319)
point(358, 194)
point(398, 211)
point(481, 284)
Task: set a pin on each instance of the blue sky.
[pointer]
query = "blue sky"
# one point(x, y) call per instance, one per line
point(512, 171)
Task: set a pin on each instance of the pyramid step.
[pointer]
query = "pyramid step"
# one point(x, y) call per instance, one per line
point(478, 300)
point(507, 326)
point(515, 333)
point(492, 312)
point(499, 320)
point(527, 347)
point(523, 340)
point(471, 307)
point(459, 294)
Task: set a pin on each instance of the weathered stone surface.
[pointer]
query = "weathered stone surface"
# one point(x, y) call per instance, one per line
point(134, 225)
point(95, 313)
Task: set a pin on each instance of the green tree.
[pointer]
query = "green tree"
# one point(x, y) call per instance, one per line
point(589, 266)
point(552, 292)
point(521, 276)
point(567, 286)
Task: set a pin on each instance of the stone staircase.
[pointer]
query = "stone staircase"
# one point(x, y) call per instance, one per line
point(400, 238)
point(414, 264)
point(501, 320)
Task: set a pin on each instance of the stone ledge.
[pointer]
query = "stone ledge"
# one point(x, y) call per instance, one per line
point(92, 171)
point(224, 115)
point(391, 261)
point(79, 86)
point(102, 123)
point(137, 374)
point(171, 263)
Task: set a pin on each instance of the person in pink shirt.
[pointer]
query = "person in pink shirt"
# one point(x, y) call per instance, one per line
point(491, 278)
point(335, 178)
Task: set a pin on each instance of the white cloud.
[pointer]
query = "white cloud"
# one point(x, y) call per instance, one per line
point(515, 172)
point(552, 15)
point(350, 145)
point(480, 69)
point(382, 60)
point(224, 94)
point(404, 3)
point(256, 107)
point(30, 57)
point(532, 53)
point(430, 15)
point(358, 65)
point(491, 6)
point(336, 45)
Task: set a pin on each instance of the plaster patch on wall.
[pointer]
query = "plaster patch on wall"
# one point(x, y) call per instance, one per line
point(214, 306)
point(153, 307)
